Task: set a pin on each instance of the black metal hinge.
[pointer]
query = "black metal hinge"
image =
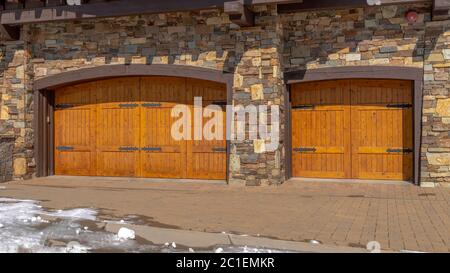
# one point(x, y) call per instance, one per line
point(399, 105)
point(151, 149)
point(219, 149)
point(151, 104)
point(128, 105)
point(64, 148)
point(305, 150)
point(404, 151)
point(304, 107)
point(64, 106)
point(128, 149)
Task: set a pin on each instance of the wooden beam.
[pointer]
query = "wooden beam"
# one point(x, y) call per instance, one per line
point(10, 33)
point(441, 9)
point(239, 14)
point(58, 10)
point(334, 4)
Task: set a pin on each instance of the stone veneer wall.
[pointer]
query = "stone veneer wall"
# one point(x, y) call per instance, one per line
point(382, 36)
point(256, 56)
point(203, 39)
point(435, 161)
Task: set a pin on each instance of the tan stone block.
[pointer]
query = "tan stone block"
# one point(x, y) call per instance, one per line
point(259, 146)
point(40, 71)
point(235, 163)
point(344, 51)
point(443, 107)
point(441, 65)
point(4, 114)
point(333, 56)
point(257, 92)
point(211, 56)
point(435, 57)
point(379, 61)
point(20, 72)
point(351, 57)
point(20, 166)
point(139, 60)
point(438, 159)
point(238, 80)
point(138, 41)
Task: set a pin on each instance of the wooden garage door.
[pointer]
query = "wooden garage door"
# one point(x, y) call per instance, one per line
point(122, 127)
point(359, 129)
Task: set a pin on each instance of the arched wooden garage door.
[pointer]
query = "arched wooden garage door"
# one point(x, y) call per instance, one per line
point(122, 127)
point(360, 129)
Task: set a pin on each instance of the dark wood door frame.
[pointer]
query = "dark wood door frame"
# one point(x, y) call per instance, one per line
point(415, 75)
point(43, 123)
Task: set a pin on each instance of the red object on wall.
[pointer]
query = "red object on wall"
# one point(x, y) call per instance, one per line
point(411, 16)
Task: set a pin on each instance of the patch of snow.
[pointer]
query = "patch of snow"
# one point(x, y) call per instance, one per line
point(25, 231)
point(83, 214)
point(218, 250)
point(126, 234)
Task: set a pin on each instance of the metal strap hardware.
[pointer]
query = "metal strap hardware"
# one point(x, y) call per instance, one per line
point(151, 149)
point(219, 149)
point(151, 104)
point(64, 148)
point(399, 105)
point(404, 151)
point(128, 105)
point(303, 107)
point(305, 150)
point(128, 149)
point(64, 106)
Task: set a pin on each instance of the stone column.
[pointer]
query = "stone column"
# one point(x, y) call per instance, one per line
point(435, 159)
point(15, 104)
point(259, 81)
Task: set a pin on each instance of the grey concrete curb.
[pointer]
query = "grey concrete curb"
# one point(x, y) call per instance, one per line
point(205, 240)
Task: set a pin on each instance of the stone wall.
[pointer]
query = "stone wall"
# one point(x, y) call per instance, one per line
point(16, 106)
point(256, 56)
point(6, 158)
point(349, 37)
point(204, 39)
point(435, 160)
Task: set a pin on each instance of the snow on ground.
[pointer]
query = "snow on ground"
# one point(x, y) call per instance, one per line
point(24, 228)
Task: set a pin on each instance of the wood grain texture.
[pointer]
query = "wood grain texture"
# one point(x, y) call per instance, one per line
point(352, 129)
point(122, 127)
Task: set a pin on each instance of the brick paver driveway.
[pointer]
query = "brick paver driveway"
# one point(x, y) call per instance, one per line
point(400, 217)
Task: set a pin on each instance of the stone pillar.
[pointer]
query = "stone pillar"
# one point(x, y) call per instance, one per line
point(15, 105)
point(259, 81)
point(435, 154)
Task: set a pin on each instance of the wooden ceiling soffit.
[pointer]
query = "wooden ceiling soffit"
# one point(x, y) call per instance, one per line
point(441, 9)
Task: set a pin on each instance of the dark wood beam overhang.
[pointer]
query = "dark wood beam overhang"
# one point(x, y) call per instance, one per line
point(441, 9)
point(308, 5)
point(239, 13)
point(16, 11)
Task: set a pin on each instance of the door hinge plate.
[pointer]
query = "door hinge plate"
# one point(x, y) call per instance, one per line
point(64, 106)
point(128, 149)
point(128, 105)
point(305, 150)
point(150, 105)
point(151, 149)
point(403, 151)
point(304, 107)
point(399, 105)
point(64, 148)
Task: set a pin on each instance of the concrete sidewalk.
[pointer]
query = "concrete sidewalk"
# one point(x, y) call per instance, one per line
point(399, 217)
